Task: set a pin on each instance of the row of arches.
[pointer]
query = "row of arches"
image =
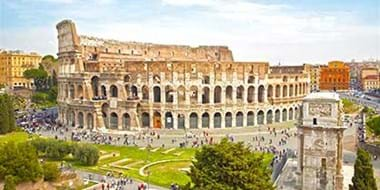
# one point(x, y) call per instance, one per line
point(229, 93)
point(193, 120)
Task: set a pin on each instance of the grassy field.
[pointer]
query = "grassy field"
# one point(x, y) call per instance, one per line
point(15, 137)
point(349, 106)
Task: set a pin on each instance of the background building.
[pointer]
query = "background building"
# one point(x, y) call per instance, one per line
point(356, 68)
point(132, 85)
point(335, 76)
point(370, 79)
point(315, 75)
point(12, 67)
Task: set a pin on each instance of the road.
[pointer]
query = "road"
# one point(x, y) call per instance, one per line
point(362, 101)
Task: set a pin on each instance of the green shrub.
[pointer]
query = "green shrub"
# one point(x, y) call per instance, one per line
point(10, 183)
point(86, 154)
point(20, 161)
point(51, 171)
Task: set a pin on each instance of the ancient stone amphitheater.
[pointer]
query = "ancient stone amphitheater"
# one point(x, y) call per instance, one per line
point(132, 85)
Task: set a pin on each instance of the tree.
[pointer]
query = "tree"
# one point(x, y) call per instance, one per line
point(38, 75)
point(363, 178)
point(7, 118)
point(19, 160)
point(87, 154)
point(373, 125)
point(228, 166)
point(51, 171)
point(10, 183)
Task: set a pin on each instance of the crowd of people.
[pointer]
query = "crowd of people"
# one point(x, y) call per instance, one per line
point(272, 140)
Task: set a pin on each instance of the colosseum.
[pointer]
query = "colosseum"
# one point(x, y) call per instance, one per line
point(131, 85)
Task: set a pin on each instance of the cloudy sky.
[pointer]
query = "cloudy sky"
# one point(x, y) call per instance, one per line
point(288, 31)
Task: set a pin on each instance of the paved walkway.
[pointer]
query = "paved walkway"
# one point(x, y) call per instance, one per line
point(97, 178)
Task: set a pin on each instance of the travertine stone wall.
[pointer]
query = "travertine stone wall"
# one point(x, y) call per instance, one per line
point(131, 85)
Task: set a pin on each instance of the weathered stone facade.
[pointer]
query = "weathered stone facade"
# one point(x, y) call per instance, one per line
point(131, 85)
point(320, 138)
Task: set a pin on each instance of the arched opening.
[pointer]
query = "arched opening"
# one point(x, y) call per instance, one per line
point(284, 115)
point(114, 120)
point(250, 118)
point(269, 117)
point(217, 120)
point(205, 95)
point(278, 91)
point(291, 90)
point(291, 114)
point(156, 94)
point(134, 91)
point(169, 94)
point(104, 91)
point(113, 90)
point(90, 121)
point(80, 92)
point(205, 120)
point(181, 121)
point(217, 94)
point(206, 80)
point(260, 117)
point(194, 95)
point(239, 93)
point(71, 115)
point(145, 118)
point(251, 94)
point(127, 78)
point(284, 91)
point(157, 120)
point(261, 94)
point(228, 119)
point(296, 113)
point(229, 94)
point(296, 90)
point(72, 91)
point(126, 121)
point(299, 89)
point(145, 92)
point(277, 116)
point(95, 85)
point(193, 120)
point(80, 120)
point(156, 79)
point(251, 79)
point(270, 91)
point(168, 120)
point(181, 95)
point(239, 119)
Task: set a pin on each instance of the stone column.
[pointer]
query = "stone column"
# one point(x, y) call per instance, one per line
point(223, 95)
point(234, 94)
point(175, 120)
point(233, 119)
point(163, 94)
point(211, 97)
point(223, 120)
point(265, 94)
point(339, 163)
point(199, 120)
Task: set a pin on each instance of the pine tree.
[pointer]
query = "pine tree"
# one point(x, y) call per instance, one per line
point(363, 178)
point(4, 115)
point(228, 166)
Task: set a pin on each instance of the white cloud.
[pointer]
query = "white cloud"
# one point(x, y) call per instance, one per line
point(254, 31)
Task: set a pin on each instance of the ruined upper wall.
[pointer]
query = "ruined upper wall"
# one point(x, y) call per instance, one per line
point(111, 50)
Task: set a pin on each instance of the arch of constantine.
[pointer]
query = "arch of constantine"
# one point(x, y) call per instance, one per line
point(131, 85)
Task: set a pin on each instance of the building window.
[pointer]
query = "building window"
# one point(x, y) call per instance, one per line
point(314, 121)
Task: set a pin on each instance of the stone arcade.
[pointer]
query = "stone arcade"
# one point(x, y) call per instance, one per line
point(132, 85)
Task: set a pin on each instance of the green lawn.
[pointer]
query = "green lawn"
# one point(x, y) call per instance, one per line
point(14, 136)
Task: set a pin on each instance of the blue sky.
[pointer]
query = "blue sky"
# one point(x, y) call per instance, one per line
point(287, 31)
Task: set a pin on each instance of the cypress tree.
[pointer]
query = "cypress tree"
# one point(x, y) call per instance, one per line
point(363, 178)
point(4, 115)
